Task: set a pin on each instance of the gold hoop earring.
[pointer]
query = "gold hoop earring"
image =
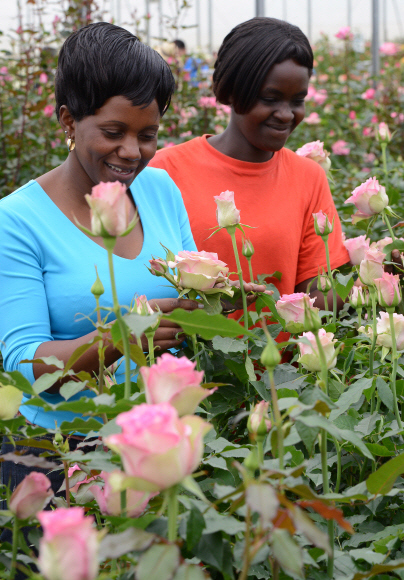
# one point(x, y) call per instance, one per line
point(71, 144)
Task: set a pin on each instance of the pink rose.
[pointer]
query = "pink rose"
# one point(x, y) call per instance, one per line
point(389, 48)
point(158, 266)
point(356, 248)
point(291, 307)
point(369, 94)
point(68, 549)
point(109, 500)
point(388, 290)
point(358, 297)
point(201, 271)
point(313, 119)
point(369, 198)
point(315, 151)
point(31, 495)
point(258, 420)
point(142, 306)
point(340, 147)
point(322, 224)
point(310, 357)
point(384, 330)
point(110, 208)
point(226, 213)
point(174, 380)
point(344, 33)
point(76, 480)
point(49, 110)
point(367, 131)
point(371, 266)
point(158, 447)
point(320, 97)
point(352, 115)
point(43, 78)
point(383, 133)
point(381, 244)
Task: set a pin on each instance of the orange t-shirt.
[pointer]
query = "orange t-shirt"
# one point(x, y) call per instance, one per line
point(277, 198)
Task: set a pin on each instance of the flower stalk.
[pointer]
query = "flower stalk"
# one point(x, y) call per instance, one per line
point(394, 357)
point(232, 232)
point(172, 508)
point(372, 293)
point(14, 549)
point(110, 244)
point(332, 281)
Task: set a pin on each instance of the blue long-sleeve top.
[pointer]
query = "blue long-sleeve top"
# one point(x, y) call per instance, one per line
point(47, 270)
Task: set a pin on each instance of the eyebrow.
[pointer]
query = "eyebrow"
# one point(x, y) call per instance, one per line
point(156, 126)
point(276, 92)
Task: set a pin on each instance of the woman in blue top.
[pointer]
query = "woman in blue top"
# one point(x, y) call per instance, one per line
point(111, 91)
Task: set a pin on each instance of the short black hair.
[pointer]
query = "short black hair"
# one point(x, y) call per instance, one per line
point(101, 61)
point(247, 54)
point(179, 44)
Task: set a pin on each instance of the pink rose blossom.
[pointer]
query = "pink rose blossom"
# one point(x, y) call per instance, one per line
point(292, 307)
point(322, 224)
point(77, 479)
point(383, 133)
point(381, 244)
point(200, 271)
point(174, 380)
point(374, 119)
point(68, 549)
point(49, 110)
point(371, 266)
point(31, 495)
point(320, 96)
point(43, 78)
point(369, 157)
point(310, 357)
point(315, 151)
point(110, 209)
point(158, 447)
point(109, 500)
point(344, 33)
point(369, 94)
point(340, 147)
point(258, 420)
point(388, 290)
point(358, 297)
point(357, 247)
point(384, 330)
point(389, 48)
point(142, 306)
point(352, 115)
point(226, 213)
point(367, 131)
point(313, 119)
point(369, 198)
point(158, 266)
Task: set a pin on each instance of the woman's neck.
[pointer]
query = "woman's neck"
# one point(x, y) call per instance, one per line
point(233, 144)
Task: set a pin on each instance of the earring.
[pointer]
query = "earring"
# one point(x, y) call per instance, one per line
point(71, 144)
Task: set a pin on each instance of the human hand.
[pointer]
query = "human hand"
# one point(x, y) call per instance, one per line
point(251, 298)
point(165, 336)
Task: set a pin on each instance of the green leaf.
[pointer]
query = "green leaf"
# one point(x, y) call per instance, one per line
point(308, 435)
point(287, 552)
point(71, 388)
point(249, 367)
point(385, 393)
point(192, 486)
point(17, 380)
point(382, 480)
point(46, 381)
point(350, 397)
point(357, 442)
point(319, 422)
point(195, 526)
point(379, 450)
point(344, 285)
point(79, 352)
point(199, 322)
point(137, 323)
point(238, 368)
point(47, 360)
point(136, 353)
point(160, 561)
point(132, 539)
point(227, 345)
point(379, 569)
point(189, 572)
point(80, 426)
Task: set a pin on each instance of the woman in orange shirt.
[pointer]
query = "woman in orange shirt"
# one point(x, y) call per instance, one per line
point(262, 71)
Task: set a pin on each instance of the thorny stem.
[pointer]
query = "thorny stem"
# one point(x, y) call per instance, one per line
point(277, 416)
point(14, 551)
point(123, 503)
point(372, 293)
point(172, 513)
point(250, 270)
point(332, 281)
point(150, 342)
point(66, 469)
point(386, 219)
point(101, 359)
point(196, 354)
point(395, 361)
point(246, 558)
point(232, 232)
point(338, 482)
point(110, 244)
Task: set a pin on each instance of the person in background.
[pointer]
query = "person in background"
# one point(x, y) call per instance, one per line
point(262, 71)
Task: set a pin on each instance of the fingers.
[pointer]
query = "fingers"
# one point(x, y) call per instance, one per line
point(170, 333)
point(250, 286)
point(167, 305)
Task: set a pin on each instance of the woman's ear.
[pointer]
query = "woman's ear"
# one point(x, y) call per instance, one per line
point(66, 121)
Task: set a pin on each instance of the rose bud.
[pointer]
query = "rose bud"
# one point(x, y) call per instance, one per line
point(248, 248)
point(371, 266)
point(383, 134)
point(31, 495)
point(388, 290)
point(315, 151)
point(110, 209)
point(322, 225)
point(226, 214)
point(369, 198)
point(158, 267)
point(310, 356)
point(258, 421)
point(356, 248)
